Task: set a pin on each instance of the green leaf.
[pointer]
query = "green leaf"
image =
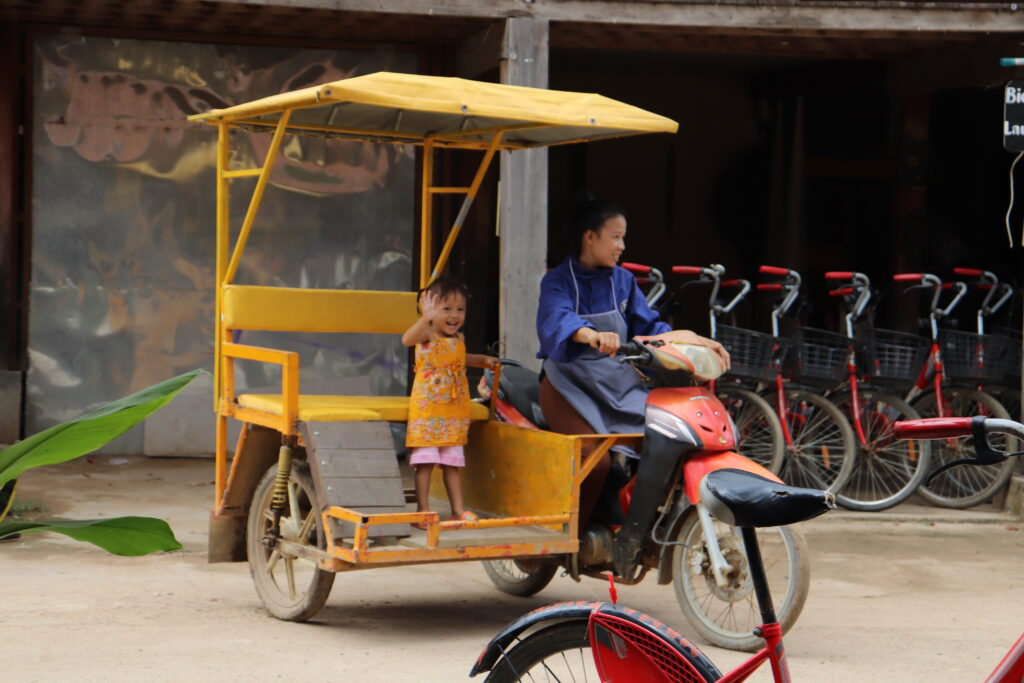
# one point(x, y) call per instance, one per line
point(85, 434)
point(120, 536)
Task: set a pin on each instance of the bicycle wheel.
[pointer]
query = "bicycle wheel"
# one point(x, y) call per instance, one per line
point(520, 577)
point(727, 616)
point(824, 447)
point(292, 588)
point(758, 432)
point(962, 487)
point(562, 653)
point(886, 470)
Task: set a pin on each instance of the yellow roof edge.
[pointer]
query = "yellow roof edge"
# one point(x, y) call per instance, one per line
point(458, 97)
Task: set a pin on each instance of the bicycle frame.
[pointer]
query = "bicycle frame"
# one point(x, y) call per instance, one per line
point(1011, 668)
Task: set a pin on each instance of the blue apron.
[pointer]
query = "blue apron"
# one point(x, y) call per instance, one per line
point(608, 394)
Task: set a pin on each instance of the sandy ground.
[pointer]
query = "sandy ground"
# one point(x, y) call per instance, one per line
point(915, 595)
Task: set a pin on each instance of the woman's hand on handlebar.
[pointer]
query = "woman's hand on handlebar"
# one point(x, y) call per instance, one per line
point(605, 342)
point(688, 337)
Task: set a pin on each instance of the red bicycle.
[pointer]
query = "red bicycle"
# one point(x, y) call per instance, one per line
point(972, 359)
point(600, 641)
point(886, 471)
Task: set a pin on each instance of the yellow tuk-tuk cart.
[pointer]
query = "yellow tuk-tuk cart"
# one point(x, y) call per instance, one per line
point(313, 487)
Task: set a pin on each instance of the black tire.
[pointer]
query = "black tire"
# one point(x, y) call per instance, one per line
point(562, 653)
point(523, 577)
point(824, 447)
point(758, 432)
point(726, 617)
point(291, 588)
point(964, 487)
point(887, 470)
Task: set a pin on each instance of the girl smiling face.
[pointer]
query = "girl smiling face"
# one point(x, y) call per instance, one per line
point(602, 248)
point(450, 314)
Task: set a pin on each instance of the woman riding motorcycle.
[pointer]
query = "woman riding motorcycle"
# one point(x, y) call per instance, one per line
point(588, 307)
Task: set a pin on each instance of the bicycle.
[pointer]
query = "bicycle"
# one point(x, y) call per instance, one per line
point(606, 642)
point(885, 471)
point(816, 439)
point(969, 359)
point(820, 444)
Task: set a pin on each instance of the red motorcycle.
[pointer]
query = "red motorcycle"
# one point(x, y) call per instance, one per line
point(687, 434)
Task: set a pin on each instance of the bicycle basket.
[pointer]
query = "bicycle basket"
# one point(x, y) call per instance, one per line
point(819, 355)
point(891, 357)
point(752, 353)
point(971, 356)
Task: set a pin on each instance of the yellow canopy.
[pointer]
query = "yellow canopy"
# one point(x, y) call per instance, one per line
point(395, 107)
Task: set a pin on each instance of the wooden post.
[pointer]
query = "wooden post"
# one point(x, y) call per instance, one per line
point(523, 200)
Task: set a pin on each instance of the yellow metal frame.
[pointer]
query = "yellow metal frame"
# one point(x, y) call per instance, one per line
point(518, 112)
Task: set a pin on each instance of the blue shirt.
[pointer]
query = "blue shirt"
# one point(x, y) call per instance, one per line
point(558, 317)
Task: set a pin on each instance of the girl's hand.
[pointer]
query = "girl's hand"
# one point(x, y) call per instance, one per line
point(688, 337)
point(490, 362)
point(429, 304)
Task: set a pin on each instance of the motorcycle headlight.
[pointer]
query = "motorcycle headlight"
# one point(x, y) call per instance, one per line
point(671, 426)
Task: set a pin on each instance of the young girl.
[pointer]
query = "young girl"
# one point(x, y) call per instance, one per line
point(439, 404)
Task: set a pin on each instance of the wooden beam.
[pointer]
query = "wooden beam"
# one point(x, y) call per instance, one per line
point(879, 15)
point(522, 201)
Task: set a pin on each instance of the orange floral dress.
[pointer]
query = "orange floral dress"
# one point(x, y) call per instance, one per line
point(439, 404)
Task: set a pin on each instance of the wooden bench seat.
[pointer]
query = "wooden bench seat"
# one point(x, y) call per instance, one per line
point(320, 408)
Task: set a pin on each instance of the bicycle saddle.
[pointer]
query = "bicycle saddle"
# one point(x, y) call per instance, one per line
point(745, 499)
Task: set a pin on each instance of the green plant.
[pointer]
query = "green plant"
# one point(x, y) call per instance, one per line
point(69, 440)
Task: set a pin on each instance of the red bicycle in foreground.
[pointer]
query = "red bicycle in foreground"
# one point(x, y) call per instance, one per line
point(600, 641)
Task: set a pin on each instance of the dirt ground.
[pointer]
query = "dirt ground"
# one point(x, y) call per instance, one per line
point(911, 595)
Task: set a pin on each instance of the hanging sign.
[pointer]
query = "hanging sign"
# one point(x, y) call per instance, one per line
point(1013, 116)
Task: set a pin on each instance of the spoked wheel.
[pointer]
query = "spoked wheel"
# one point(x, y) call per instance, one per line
point(759, 434)
point(887, 469)
point(563, 653)
point(291, 588)
point(726, 616)
point(522, 577)
point(823, 448)
point(962, 487)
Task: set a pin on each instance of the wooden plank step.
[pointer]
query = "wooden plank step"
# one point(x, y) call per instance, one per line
point(354, 465)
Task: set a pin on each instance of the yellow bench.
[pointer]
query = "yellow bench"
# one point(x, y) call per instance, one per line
point(317, 408)
point(286, 309)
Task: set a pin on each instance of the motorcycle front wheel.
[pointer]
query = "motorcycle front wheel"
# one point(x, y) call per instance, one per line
point(726, 616)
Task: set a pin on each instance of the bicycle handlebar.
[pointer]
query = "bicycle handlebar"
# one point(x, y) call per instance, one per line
point(769, 286)
point(839, 275)
point(842, 291)
point(908, 277)
point(979, 427)
point(968, 272)
point(687, 270)
point(933, 428)
point(774, 270)
point(636, 268)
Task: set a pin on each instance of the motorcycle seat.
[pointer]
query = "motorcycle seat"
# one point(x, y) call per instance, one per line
point(745, 499)
point(521, 387)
